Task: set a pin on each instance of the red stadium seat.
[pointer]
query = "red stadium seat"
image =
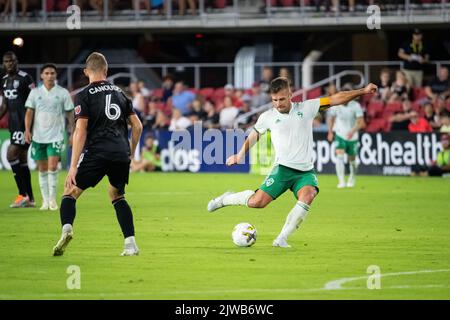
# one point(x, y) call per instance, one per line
point(219, 93)
point(394, 106)
point(375, 109)
point(284, 3)
point(207, 92)
point(314, 93)
point(157, 92)
point(419, 93)
point(297, 99)
point(220, 4)
point(375, 125)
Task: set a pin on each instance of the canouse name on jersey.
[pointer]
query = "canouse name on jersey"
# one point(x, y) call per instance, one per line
point(106, 87)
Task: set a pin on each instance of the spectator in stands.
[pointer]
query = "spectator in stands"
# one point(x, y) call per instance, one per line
point(228, 113)
point(419, 125)
point(182, 98)
point(415, 56)
point(246, 107)
point(400, 89)
point(150, 156)
point(384, 85)
point(401, 120)
point(182, 7)
point(231, 93)
point(143, 89)
point(149, 5)
point(162, 121)
point(97, 5)
point(351, 5)
point(151, 113)
point(137, 99)
point(266, 78)
point(430, 116)
point(178, 121)
point(212, 117)
point(442, 164)
point(445, 121)
point(439, 110)
point(167, 86)
point(318, 3)
point(330, 89)
point(24, 5)
point(197, 114)
point(259, 97)
point(439, 86)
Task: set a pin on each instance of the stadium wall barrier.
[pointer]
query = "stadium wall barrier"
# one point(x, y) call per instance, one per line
point(201, 150)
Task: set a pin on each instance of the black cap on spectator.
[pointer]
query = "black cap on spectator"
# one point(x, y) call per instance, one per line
point(417, 31)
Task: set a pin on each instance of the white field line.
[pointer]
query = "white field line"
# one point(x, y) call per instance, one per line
point(337, 284)
point(332, 285)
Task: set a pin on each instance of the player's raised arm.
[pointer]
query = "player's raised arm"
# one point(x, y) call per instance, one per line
point(79, 139)
point(252, 138)
point(136, 131)
point(344, 97)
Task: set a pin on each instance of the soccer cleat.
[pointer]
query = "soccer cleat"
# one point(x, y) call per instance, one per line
point(31, 204)
point(130, 250)
point(52, 205)
point(280, 242)
point(341, 185)
point(350, 183)
point(44, 206)
point(58, 250)
point(21, 202)
point(217, 203)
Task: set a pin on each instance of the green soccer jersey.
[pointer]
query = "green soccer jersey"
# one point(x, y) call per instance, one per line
point(345, 119)
point(49, 109)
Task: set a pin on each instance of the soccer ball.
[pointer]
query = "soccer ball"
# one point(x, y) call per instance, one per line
point(244, 234)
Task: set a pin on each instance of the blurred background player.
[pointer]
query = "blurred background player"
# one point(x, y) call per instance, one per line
point(345, 121)
point(16, 86)
point(100, 147)
point(44, 129)
point(290, 124)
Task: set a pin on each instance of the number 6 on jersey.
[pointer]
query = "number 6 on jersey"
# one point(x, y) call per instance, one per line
point(109, 107)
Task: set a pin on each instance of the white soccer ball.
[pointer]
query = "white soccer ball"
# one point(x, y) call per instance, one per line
point(244, 234)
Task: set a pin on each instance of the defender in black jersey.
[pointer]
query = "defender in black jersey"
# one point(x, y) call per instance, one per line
point(101, 147)
point(15, 87)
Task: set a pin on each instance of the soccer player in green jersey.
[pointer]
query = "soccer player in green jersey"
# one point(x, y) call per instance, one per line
point(345, 121)
point(290, 124)
point(47, 107)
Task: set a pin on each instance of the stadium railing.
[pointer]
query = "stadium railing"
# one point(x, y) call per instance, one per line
point(200, 75)
point(237, 13)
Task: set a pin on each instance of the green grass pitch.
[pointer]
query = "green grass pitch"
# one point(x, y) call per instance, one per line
point(400, 224)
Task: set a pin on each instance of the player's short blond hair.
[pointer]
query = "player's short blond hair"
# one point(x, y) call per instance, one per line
point(96, 62)
point(279, 84)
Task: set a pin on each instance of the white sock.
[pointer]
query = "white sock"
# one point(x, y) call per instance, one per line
point(352, 170)
point(52, 183)
point(295, 217)
point(238, 199)
point(67, 228)
point(43, 185)
point(340, 168)
point(130, 241)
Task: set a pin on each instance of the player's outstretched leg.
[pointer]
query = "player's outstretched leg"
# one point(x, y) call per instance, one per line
point(296, 216)
point(352, 176)
point(340, 170)
point(125, 218)
point(67, 212)
point(230, 199)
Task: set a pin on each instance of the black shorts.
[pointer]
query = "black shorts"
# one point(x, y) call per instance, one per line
point(91, 171)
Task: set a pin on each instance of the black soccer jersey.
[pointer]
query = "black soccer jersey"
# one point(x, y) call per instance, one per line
point(15, 90)
point(107, 109)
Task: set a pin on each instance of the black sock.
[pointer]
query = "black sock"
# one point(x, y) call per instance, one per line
point(15, 167)
point(125, 217)
point(26, 180)
point(68, 210)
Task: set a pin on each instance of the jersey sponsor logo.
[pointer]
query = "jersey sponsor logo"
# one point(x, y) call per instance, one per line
point(77, 109)
point(11, 94)
point(277, 121)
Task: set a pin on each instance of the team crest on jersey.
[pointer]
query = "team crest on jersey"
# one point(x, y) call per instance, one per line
point(16, 84)
point(300, 114)
point(269, 182)
point(77, 109)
